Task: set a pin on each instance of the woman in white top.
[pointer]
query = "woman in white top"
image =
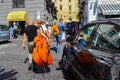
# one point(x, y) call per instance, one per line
point(43, 28)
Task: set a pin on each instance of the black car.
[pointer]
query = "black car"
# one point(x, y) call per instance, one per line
point(93, 53)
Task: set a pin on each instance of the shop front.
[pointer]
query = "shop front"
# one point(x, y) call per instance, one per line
point(19, 18)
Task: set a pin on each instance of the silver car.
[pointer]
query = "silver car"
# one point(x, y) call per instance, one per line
point(4, 33)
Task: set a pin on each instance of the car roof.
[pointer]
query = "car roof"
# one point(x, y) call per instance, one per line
point(116, 21)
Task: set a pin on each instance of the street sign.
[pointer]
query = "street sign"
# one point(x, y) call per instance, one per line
point(38, 14)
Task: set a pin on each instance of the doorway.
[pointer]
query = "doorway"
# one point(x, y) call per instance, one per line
point(20, 26)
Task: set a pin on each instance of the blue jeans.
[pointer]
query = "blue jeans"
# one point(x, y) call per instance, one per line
point(58, 38)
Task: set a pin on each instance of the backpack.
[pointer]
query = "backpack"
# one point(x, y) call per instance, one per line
point(55, 29)
point(70, 29)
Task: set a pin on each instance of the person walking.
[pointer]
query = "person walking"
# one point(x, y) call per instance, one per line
point(43, 28)
point(14, 30)
point(59, 36)
point(30, 32)
point(11, 29)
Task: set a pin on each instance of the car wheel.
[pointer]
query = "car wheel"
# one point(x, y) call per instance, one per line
point(65, 63)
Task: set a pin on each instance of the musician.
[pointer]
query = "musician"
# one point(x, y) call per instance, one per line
point(41, 25)
point(29, 34)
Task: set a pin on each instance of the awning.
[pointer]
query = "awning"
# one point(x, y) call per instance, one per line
point(17, 16)
point(110, 9)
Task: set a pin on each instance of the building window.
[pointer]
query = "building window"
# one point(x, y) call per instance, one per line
point(60, 0)
point(69, 0)
point(18, 3)
point(60, 7)
point(1, 1)
point(70, 7)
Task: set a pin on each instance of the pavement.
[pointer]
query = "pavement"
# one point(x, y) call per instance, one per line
point(13, 66)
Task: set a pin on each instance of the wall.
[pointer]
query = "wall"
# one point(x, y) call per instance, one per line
point(92, 11)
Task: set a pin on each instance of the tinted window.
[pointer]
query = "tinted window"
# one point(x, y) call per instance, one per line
point(101, 42)
point(18, 3)
point(87, 31)
point(3, 27)
point(111, 33)
point(107, 36)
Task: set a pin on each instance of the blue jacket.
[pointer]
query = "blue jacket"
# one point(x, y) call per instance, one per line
point(61, 28)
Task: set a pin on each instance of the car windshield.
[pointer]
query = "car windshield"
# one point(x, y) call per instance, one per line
point(3, 27)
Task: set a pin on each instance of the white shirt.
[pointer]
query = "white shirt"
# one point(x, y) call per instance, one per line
point(49, 29)
point(43, 29)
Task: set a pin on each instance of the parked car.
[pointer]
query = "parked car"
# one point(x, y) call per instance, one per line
point(93, 53)
point(4, 33)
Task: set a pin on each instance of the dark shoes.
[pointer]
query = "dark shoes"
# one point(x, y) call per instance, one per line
point(30, 67)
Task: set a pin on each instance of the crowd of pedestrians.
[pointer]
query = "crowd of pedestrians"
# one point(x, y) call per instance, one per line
point(39, 27)
point(30, 32)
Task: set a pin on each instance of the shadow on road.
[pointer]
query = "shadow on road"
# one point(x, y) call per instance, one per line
point(8, 75)
point(39, 70)
point(53, 49)
point(66, 75)
point(5, 42)
point(42, 70)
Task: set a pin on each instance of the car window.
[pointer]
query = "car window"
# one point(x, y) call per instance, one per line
point(87, 31)
point(101, 42)
point(3, 27)
point(107, 36)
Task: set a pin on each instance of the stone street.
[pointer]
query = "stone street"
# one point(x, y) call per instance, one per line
point(13, 66)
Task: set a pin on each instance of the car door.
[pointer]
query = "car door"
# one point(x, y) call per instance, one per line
point(106, 41)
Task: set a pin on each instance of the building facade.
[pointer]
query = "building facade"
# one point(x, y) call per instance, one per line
point(67, 9)
point(98, 9)
point(20, 11)
point(35, 9)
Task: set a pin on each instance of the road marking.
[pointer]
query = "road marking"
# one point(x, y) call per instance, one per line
point(7, 45)
point(2, 53)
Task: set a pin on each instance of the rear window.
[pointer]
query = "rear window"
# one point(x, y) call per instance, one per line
point(3, 27)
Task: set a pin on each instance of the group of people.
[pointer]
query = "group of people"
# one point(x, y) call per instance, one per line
point(12, 30)
point(32, 30)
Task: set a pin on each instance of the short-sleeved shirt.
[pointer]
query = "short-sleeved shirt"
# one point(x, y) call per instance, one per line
point(31, 32)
